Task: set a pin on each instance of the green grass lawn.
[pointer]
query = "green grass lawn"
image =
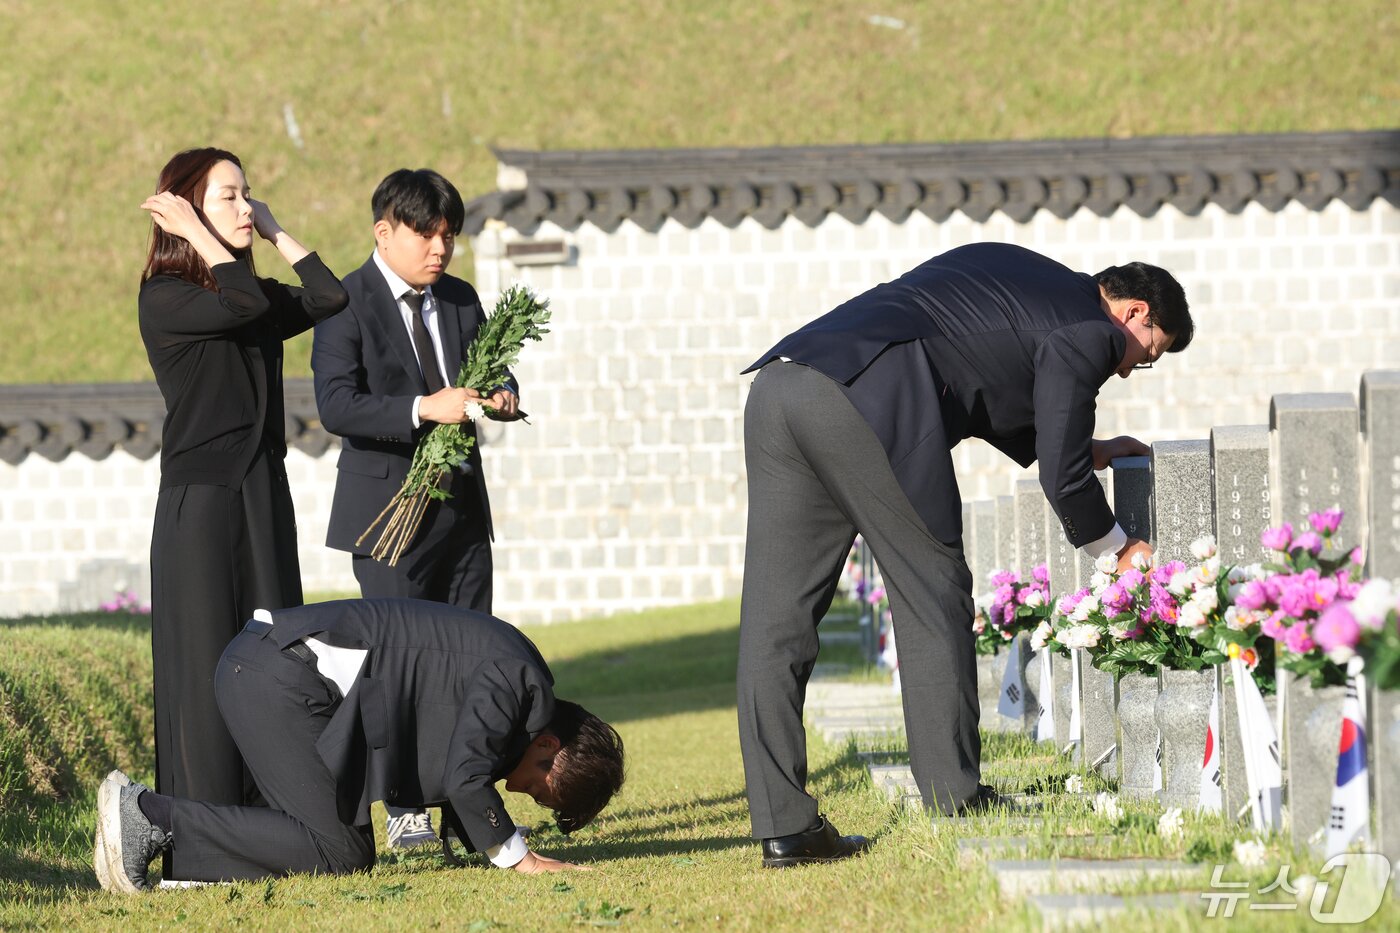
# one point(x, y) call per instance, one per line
point(95, 96)
point(673, 850)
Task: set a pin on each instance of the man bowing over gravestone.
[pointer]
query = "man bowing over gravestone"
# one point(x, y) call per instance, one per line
point(848, 429)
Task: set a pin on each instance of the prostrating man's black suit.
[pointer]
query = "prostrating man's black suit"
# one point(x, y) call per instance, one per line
point(320, 759)
point(848, 428)
point(367, 376)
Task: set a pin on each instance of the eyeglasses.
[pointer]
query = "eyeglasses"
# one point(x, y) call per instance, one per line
point(1151, 357)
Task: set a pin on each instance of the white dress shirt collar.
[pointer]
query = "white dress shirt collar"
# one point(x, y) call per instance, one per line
point(397, 286)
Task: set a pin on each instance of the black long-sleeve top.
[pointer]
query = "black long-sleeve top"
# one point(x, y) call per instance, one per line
point(217, 357)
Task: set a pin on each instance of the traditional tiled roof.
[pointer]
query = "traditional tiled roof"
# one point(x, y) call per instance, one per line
point(56, 420)
point(647, 186)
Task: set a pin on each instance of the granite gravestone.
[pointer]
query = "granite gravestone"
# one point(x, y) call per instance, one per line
point(1240, 476)
point(1099, 730)
point(1181, 498)
point(982, 544)
point(1030, 527)
point(1006, 533)
point(1380, 426)
point(1314, 450)
point(1064, 575)
point(1135, 695)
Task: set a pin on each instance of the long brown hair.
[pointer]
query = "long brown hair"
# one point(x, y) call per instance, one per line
point(187, 175)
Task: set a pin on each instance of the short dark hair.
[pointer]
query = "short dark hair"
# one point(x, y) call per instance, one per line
point(421, 198)
point(588, 768)
point(1166, 299)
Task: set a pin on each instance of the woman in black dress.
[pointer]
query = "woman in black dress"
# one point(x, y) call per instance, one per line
point(224, 541)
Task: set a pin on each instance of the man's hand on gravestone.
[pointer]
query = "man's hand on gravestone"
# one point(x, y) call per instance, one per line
point(1105, 452)
point(1134, 546)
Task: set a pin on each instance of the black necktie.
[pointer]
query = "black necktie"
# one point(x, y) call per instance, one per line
point(422, 343)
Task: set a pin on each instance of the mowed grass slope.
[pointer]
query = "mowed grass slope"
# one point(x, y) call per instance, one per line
point(95, 96)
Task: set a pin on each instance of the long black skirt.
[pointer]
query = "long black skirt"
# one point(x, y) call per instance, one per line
point(216, 555)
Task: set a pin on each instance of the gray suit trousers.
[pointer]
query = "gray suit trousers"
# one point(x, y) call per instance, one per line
point(276, 707)
point(817, 476)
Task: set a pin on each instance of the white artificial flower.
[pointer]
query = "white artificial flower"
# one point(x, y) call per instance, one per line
point(1206, 599)
point(1251, 853)
point(979, 625)
point(1180, 583)
point(1074, 784)
point(1041, 635)
point(1170, 825)
point(1106, 805)
point(1106, 563)
point(1121, 632)
point(474, 411)
point(1191, 616)
point(1142, 562)
point(1086, 606)
point(1080, 636)
point(1373, 603)
point(984, 602)
point(1035, 599)
point(1212, 565)
point(1099, 582)
point(1341, 654)
point(1238, 619)
point(1255, 571)
point(1201, 549)
point(1237, 575)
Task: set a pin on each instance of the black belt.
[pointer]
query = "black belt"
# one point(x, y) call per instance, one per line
point(297, 649)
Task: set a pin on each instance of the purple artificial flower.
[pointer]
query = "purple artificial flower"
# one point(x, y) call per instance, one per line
point(1008, 614)
point(1277, 539)
point(1326, 522)
point(1309, 541)
point(1337, 628)
point(1297, 639)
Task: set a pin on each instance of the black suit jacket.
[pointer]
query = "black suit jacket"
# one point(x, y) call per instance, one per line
point(366, 377)
point(990, 341)
point(445, 706)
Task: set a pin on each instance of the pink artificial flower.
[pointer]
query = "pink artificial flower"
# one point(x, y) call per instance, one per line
point(1003, 577)
point(1163, 575)
point(1337, 628)
point(1131, 579)
point(1041, 574)
point(876, 595)
point(1277, 539)
point(1253, 595)
point(1309, 541)
point(1297, 639)
point(1116, 598)
point(1326, 522)
point(1163, 605)
point(1272, 625)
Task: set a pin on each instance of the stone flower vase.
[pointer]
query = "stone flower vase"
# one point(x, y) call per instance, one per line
point(1135, 700)
point(991, 668)
point(1182, 714)
point(1234, 791)
point(1030, 672)
point(1100, 730)
point(1383, 732)
point(1064, 697)
point(1312, 731)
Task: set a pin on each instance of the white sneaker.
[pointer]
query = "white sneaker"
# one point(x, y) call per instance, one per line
point(410, 830)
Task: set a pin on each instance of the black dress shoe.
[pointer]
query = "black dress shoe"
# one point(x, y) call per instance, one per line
point(983, 802)
point(822, 844)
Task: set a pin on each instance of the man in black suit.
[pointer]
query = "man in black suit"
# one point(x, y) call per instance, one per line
point(849, 428)
point(384, 375)
point(336, 705)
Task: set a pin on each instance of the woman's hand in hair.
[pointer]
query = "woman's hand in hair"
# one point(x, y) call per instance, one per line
point(174, 215)
point(270, 230)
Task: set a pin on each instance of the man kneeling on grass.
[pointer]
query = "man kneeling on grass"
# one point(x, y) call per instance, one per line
point(339, 704)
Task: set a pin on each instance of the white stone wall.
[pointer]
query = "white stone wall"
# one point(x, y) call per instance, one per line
point(628, 488)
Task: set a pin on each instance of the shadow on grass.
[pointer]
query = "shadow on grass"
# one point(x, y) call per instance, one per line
point(125, 622)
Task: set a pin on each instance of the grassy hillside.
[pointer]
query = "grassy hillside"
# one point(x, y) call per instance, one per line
point(94, 96)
